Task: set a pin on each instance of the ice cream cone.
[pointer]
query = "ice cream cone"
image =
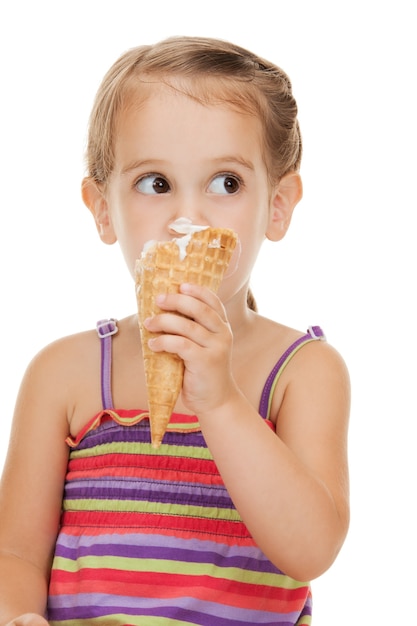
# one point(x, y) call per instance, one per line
point(162, 269)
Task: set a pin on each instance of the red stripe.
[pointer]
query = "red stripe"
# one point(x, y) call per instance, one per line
point(91, 531)
point(146, 473)
point(158, 523)
point(143, 461)
point(159, 585)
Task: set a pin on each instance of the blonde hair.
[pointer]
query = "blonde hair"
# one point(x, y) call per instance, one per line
point(211, 71)
point(243, 80)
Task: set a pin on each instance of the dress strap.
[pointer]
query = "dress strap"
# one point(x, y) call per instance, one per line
point(105, 329)
point(314, 333)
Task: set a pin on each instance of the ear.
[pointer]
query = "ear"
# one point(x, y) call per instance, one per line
point(285, 196)
point(96, 202)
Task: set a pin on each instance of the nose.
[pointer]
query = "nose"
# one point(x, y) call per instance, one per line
point(188, 212)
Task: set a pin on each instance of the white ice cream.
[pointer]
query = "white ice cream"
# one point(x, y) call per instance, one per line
point(182, 226)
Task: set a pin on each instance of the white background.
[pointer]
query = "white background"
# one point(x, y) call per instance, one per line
point(348, 262)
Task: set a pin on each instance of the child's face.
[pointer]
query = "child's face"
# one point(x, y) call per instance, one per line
point(177, 158)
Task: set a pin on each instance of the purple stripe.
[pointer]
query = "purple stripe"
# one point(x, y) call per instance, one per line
point(135, 538)
point(166, 493)
point(237, 617)
point(111, 432)
point(171, 554)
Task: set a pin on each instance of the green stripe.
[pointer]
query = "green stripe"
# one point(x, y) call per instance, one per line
point(128, 447)
point(157, 508)
point(160, 566)
point(121, 618)
point(174, 426)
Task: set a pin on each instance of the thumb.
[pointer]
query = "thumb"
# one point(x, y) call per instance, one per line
point(28, 619)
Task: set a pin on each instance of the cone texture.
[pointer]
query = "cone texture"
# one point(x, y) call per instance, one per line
point(161, 270)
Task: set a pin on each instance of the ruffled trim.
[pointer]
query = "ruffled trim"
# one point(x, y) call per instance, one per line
point(178, 423)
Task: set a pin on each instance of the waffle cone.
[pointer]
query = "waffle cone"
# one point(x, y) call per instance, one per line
point(162, 271)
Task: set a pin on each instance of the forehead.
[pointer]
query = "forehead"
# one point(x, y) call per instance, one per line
point(165, 125)
point(177, 99)
point(239, 95)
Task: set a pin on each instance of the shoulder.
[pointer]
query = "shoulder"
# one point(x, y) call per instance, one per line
point(315, 394)
point(319, 365)
point(314, 369)
point(54, 373)
point(313, 358)
point(60, 355)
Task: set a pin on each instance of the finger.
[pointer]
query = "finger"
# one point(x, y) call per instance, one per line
point(203, 294)
point(167, 324)
point(197, 303)
point(28, 619)
point(204, 347)
point(186, 316)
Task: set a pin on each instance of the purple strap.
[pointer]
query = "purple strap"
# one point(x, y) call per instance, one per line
point(105, 330)
point(313, 334)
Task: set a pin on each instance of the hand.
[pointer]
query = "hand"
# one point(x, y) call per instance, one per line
point(28, 619)
point(194, 325)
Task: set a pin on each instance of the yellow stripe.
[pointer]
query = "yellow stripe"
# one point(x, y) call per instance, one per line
point(121, 447)
point(160, 566)
point(120, 619)
point(157, 508)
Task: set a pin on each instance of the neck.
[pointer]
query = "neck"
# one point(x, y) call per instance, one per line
point(240, 316)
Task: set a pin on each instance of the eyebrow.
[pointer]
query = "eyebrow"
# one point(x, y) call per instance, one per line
point(235, 159)
point(232, 159)
point(140, 163)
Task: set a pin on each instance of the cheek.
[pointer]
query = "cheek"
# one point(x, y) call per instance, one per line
point(246, 252)
point(253, 230)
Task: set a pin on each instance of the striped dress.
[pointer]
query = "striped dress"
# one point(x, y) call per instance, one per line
point(151, 537)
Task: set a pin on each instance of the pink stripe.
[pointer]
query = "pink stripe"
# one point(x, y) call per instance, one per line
point(157, 585)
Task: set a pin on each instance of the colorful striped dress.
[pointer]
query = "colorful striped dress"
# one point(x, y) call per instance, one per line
point(151, 537)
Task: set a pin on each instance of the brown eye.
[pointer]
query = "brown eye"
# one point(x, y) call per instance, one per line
point(231, 185)
point(160, 185)
point(225, 184)
point(152, 184)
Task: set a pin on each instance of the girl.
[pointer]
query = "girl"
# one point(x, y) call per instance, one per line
point(247, 498)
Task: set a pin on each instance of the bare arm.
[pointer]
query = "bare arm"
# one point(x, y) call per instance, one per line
point(290, 487)
point(31, 491)
point(25, 588)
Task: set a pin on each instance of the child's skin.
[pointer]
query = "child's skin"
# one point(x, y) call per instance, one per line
point(206, 163)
